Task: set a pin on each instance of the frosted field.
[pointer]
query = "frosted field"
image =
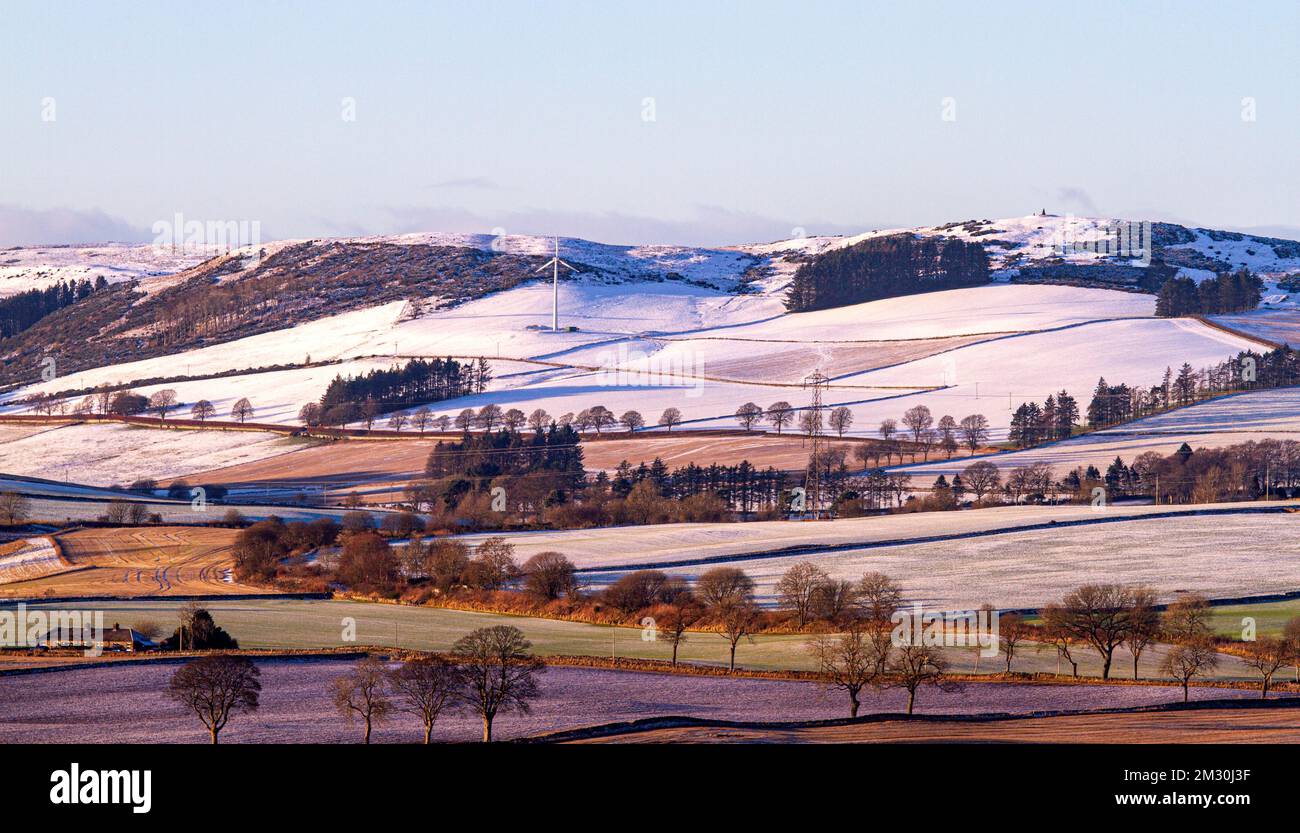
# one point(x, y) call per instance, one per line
point(1270, 414)
point(33, 558)
point(953, 312)
point(105, 454)
point(36, 267)
point(1282, 326)
point(637, 546)
point(296, 704)
point(1226, 556)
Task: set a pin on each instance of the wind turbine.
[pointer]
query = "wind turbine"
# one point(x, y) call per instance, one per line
point(555, 263)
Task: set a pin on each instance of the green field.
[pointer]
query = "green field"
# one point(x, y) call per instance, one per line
point(1270, 617)
point(297, 623)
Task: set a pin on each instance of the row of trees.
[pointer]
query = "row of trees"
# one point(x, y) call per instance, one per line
point(489, 672)
point(1226, 292)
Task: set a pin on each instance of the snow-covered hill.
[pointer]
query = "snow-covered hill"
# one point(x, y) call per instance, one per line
point(700, 330)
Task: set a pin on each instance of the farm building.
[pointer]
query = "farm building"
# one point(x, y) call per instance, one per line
point(116, 638)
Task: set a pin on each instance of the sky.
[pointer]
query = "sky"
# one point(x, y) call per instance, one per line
point(695, 123)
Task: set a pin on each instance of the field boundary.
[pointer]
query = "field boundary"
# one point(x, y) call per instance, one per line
point(679, 722)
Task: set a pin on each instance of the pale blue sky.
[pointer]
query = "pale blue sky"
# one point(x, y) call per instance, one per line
point(528, 116)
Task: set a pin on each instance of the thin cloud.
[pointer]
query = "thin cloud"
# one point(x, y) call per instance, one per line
point(708, 225)
point(478, 183)
point(21, 226)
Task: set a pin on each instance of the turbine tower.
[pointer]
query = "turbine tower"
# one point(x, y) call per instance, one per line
point(555, 263)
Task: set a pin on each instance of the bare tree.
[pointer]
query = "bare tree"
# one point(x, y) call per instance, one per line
point(494, 564)
point(1012, 630)
point(974, 431)
point(796, 588)
point(917, 419)
point(465, 420)
point(500, 672)
point(888, 428)
point(841, 420)
point(780, 414)
point(203, 410)
point(673, 619)
point(309, 414)
point(729, 595)
point(514, 419)
point(1145, 629)
point(1185, 661)
point(216, 688)
point(981, 477)
point(549, 575)
point(162, 401)
point(1056, 632)
point(363, 692)
point(724, 585)
point(488, 417)
point(911, 666)
point(738, 620)
point(849, 662)
point(632, 421)
point(421, 417)
point(1103, 615)
point(427, 686)
point(538, 420)
point(1291, 633)
point(397, 421)
point(669, 418)
point(242, 410)
point(442, 422)
point(748, 415)
point(15, 508)
point(1266, 657)
point(1186, 619)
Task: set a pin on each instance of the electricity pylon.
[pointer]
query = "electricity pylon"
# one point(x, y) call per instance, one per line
point(813, 477)
point(555, 263)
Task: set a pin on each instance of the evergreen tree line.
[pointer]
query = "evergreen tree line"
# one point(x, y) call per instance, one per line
point(1248, 370)
point(1032, 424)
point(488, 454)
point(1227, 292)
point(18, 312)
point(742, 487)
point(420, 381)
point(886, 267)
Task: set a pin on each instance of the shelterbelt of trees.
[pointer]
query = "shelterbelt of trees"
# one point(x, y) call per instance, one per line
point(886, 267)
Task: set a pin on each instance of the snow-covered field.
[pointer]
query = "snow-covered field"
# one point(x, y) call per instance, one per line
point(36, 267)
point(1269, 414)
point(650, 375)
point(1222, 556)
point(638, 546)
point(106, 454)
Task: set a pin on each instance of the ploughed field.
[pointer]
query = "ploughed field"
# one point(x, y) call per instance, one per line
point(1262, 725)
point(146, 561)
point(297, 707)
